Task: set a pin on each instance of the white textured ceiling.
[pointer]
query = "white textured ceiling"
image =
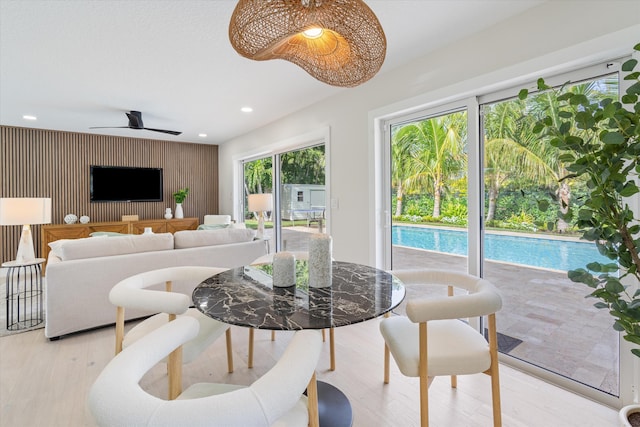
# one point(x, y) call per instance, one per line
point(77, 64)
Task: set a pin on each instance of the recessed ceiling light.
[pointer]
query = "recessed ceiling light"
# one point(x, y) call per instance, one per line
point(246, 109)
point(202, 135)
point(28, 117)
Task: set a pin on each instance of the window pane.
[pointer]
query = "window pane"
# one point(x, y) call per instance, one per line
point(546, 319)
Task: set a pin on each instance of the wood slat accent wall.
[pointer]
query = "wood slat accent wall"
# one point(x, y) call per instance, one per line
point(45, 163)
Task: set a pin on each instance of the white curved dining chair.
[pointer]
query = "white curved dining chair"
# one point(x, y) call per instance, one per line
point(432, 339)
point(132, 293)
point(302, 255)
point(275, 399)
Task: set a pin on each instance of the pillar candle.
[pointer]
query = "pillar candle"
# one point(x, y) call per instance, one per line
point(284, 269)
point(320, 261)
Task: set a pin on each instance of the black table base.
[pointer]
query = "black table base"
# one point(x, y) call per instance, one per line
point(334, 408)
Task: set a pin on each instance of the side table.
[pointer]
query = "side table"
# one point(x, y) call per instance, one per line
point(24, 294)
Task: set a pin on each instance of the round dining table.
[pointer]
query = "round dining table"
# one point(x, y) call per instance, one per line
point(246, 296)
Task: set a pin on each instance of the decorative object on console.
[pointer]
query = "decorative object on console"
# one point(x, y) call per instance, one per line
point(320, 260)
point(70, 218)
point(148, 230)
point(168, 214)
point(284, 269)
point(339, 43)
point(260, 203)
point(129, 218)
point(84, 219)
point(25, 211)
point(179, 197)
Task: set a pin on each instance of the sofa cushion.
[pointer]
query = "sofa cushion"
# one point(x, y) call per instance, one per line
point(56, 246)
point(196, 238)
point(92, 247)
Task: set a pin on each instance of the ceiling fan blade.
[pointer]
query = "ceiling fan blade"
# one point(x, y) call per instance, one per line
point(135, 122)
point(171, 132)
point(109, 127)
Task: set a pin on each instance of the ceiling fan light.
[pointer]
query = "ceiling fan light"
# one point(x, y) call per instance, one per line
point(348, 51)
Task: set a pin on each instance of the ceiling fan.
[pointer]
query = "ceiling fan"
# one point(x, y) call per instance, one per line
point(135, 122)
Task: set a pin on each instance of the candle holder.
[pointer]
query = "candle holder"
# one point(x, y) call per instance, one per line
point(284, 269)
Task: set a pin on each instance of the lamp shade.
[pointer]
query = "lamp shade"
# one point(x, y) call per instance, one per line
point(340, 43)
point(25, 210)
point(260, 202)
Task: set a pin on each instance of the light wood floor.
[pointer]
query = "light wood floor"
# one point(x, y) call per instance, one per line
point(45, 383)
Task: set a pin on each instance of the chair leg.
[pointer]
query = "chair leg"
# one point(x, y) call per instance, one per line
point(229, 350)
point(454, 378)
point(312, 402)
point(493, 371)
point(174, 367)
point(332, 351)
point(386, 363)
point(250, 357)
point(424, 379)
point(273, 335)
point(119, 328)
point(386, 359)
point(323, 336)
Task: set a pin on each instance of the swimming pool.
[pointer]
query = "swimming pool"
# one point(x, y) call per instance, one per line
point(537, 252)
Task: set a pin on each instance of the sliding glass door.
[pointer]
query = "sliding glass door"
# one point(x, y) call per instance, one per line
point(296, 180)
point(528, 248)
point(429, 191)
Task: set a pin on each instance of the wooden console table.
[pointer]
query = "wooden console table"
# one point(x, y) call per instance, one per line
point(51, 233)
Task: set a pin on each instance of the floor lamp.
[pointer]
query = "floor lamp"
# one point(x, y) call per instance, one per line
point(260, 203)
point(25, 211)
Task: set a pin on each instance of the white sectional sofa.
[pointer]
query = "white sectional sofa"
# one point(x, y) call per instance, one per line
point(81, 272)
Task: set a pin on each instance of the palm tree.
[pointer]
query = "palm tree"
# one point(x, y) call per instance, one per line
point(437, 153)
point(257, 175)
point(511, 151)
point(401, 153)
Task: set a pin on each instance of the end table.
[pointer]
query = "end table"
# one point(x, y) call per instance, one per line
point(24, 294)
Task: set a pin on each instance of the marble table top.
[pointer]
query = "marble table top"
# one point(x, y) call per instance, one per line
point(245, 296)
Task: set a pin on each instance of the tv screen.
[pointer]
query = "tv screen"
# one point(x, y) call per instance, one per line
point(126, 184)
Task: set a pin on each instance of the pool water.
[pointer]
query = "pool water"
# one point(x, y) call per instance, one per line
point(537, 252)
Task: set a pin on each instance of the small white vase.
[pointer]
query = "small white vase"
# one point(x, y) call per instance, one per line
point(284, 269)
point(168, 214)
point(179, 213)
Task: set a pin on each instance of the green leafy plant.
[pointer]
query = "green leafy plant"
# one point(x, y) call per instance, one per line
point(180, 195)
point(600, 141)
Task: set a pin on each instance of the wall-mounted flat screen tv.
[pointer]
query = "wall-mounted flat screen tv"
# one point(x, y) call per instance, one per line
point(125, 184)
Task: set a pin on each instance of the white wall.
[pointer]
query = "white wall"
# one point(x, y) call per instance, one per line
point(556, 36)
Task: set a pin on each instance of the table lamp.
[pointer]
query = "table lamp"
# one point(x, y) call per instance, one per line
point(25, 211)
point(260, 203)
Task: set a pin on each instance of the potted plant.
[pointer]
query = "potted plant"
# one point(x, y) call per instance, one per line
point(601, 142)
point(179, 197)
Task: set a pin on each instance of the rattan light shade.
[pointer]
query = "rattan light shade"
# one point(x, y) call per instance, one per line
point(350, 50)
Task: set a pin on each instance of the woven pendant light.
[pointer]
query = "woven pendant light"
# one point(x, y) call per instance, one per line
point(339, 42)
